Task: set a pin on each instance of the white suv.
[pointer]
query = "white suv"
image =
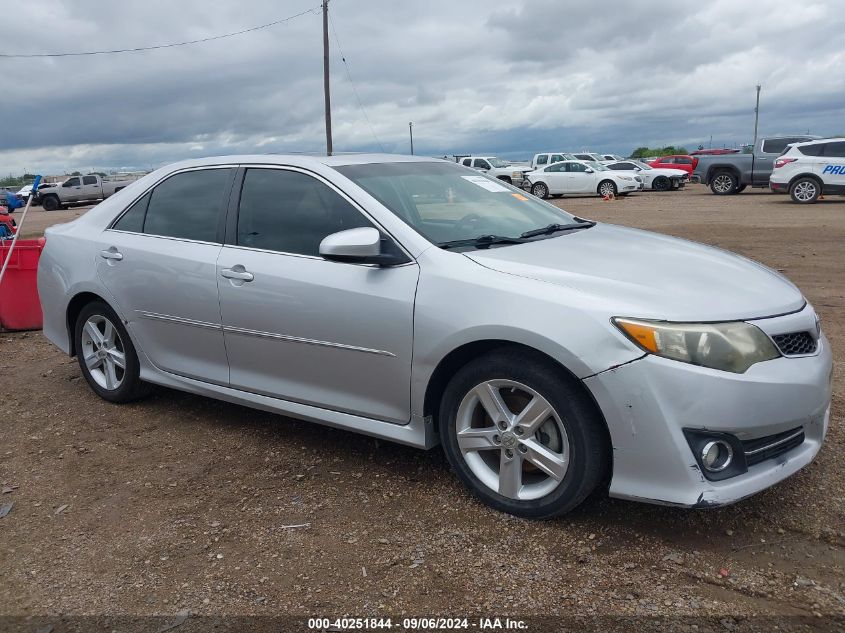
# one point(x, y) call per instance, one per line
point(807, 170)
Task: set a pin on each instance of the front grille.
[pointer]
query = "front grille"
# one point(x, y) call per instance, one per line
point(764, 448)
point(795, 343)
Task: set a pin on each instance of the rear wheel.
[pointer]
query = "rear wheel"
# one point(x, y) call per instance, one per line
point(540, 190)
point(724, 183)
point(522, 435)
point(661, 183)
point(106, 355)
point(607, 188)
point(805, 190)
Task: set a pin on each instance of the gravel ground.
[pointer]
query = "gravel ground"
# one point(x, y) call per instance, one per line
point(183, 503)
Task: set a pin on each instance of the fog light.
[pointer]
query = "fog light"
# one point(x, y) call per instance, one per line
point(716, 455)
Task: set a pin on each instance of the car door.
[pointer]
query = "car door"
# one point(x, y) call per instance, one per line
point(91, 189)
point(555, 178)
point(158, 262)
point(833, 167)
point(580, 180)
point(481, 164)
point(301, 328)
point(71, 189)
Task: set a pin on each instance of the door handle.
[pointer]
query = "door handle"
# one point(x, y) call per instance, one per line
point(111, 253)
point(237, 273)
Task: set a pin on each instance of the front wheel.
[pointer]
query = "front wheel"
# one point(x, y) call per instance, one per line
point(521, 435)
point(540, 190)
point(607, 188)
point(661, 183)
point(805, 190)
point(106, 355)
point(724, 183)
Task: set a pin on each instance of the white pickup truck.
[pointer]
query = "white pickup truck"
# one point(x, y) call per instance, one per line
point(496, 167)
point(79, 190)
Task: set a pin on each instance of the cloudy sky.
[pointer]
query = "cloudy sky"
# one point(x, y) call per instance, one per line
point(510, 78)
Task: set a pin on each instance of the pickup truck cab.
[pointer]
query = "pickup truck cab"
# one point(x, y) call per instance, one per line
point(496, 167)
point(731, 173)
point(80, 189)
point(547, 158)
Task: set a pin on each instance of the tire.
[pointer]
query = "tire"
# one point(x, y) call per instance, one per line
point(50, 203)
point(540, 190)
point(805, 190)
point(101, 344)
point(661, 183)
point(606, 188)
point(570, 439)
point(724, 183)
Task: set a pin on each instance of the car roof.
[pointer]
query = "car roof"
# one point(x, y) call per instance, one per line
point(819, 140)
point(302, 160)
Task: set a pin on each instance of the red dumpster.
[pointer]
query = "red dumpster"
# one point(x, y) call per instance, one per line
point(20, 308)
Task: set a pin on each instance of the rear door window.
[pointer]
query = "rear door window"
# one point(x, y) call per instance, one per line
point(89, 180)
point(188, 205)
point(836, 149)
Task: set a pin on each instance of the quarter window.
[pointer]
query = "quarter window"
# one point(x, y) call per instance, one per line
point(291, 212)
point(813, 150)
point(133, 219)
point(188, 205)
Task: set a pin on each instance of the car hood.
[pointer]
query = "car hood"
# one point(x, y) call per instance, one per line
point(635, 273)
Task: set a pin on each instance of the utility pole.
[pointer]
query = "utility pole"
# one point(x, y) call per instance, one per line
point(756, 116)
point(411, 132)
point(326, 77)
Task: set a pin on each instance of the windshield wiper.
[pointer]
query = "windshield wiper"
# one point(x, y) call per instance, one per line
point(554, 228)
point(482, 241)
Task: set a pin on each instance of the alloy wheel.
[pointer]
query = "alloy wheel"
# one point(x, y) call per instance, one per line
point(723, 183)
point(606, 189)
point(103, 352)
point(512, 439)
point(804, 191)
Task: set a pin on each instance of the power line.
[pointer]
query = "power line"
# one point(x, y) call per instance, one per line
point(352, 83)
point(158, 46)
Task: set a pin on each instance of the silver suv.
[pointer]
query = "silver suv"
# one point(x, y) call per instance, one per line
point(419, 301)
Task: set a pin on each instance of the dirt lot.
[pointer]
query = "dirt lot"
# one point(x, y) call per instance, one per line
point(179, 502)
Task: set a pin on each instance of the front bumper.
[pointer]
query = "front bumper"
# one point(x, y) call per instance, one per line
point(648, 402)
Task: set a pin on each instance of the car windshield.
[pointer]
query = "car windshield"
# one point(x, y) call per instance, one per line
point(498, 162)
point(444, 203)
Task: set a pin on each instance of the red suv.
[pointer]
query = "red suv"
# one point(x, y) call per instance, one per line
point(678, 161)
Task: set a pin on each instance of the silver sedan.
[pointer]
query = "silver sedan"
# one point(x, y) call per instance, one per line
point(421, 302)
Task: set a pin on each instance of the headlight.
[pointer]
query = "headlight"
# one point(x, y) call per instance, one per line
point(624, 178)
point(733, 347)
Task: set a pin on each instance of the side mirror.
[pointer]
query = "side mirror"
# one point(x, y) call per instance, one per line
point(358, 246)
point(589, 170)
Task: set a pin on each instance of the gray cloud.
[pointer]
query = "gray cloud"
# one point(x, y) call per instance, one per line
point(510, 78)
